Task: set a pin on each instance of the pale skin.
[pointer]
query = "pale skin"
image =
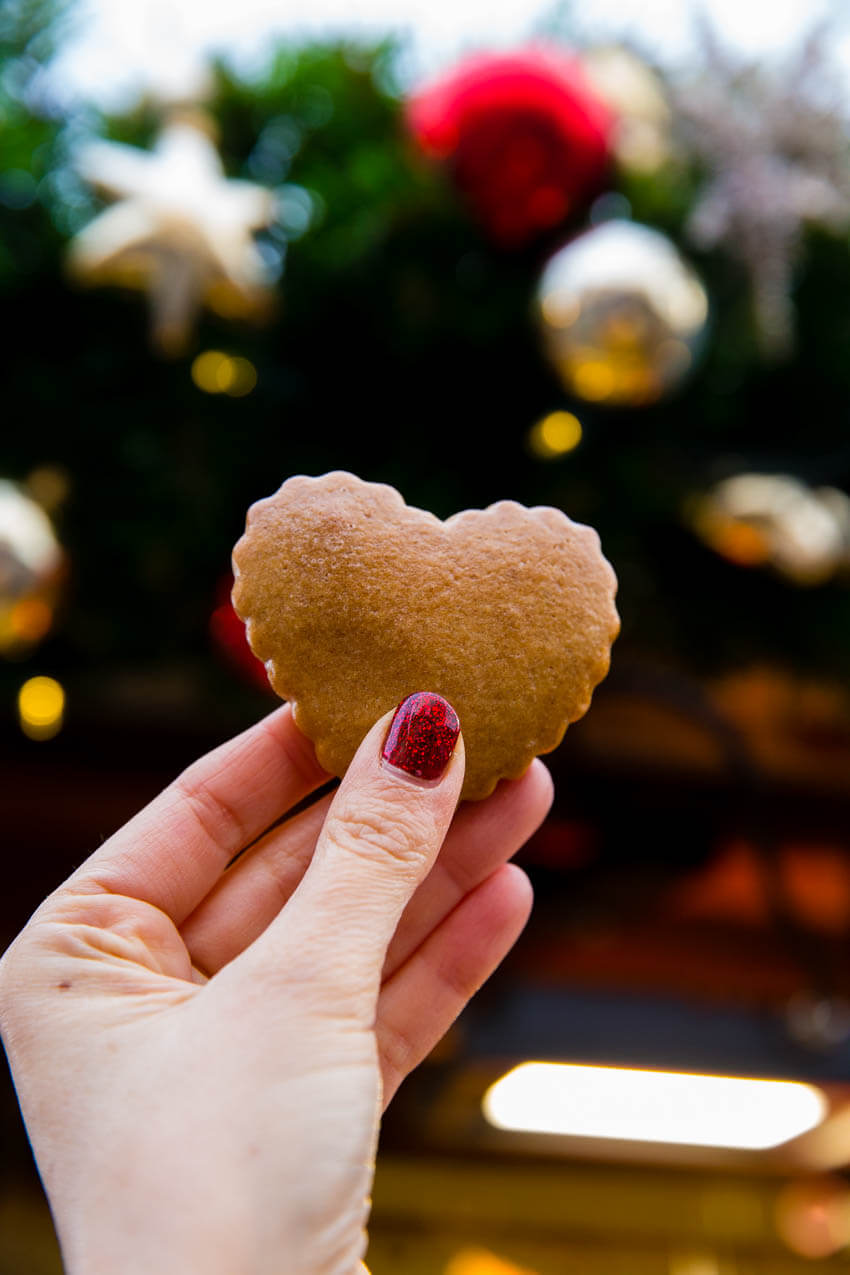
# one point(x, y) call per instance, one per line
point(202, 1048)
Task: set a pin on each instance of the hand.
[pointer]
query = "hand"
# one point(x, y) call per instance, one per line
point(201, 1047)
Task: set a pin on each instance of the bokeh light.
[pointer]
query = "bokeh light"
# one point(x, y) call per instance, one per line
point(555, 435)
point(32, 571)
point(28, 622)
point(479, 1261)
point(41, 707)
point(215, 372)
point(813, 1217)
point(49, 486)
point(776, 520)
point(693, 1264)
point(622, 314)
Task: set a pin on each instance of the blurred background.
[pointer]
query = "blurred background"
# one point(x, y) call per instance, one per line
point(601, 263)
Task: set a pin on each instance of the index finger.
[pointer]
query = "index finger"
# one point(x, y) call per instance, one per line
point(172, 853)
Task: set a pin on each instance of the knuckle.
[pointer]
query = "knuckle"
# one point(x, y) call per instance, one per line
point(398, 1053)
point(214, 816)
point(366, 831)
point(455, 988)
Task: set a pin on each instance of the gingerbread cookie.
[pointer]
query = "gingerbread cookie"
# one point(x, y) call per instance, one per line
point(354, 600)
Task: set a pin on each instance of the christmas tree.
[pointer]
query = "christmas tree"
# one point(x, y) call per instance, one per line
point(391, 326)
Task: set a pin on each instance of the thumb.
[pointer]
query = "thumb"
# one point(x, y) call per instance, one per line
point(382, 833)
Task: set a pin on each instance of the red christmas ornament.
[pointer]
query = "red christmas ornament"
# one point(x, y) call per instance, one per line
point(524, 134)
point(228, 634)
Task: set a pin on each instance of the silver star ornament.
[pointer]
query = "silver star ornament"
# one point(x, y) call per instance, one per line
point(774, 145)
point(178, 229)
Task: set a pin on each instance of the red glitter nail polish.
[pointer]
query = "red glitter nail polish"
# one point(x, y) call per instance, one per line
point(422, 736)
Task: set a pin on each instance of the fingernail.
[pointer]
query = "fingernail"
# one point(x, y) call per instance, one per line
point(422, 736)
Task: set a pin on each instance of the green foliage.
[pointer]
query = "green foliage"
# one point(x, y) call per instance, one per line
point(319, 122)
point(29, 132)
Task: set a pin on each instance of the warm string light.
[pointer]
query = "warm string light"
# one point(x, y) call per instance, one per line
point(41, 707)
point(215, 372)
point(652, 1106)
point(555, 435)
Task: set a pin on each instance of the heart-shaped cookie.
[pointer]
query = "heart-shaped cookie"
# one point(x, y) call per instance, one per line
point(354, 600)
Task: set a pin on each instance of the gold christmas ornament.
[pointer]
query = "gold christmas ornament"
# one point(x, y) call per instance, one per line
point(774, 520)
point(179, 230)
point(622, 314)
point(32, 571)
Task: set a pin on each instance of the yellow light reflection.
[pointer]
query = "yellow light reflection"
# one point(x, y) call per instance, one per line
point(215, 372)
point(693, 1264)
point(41, 707)
point(813, 1217)
point(29, 620)
point(739, 542)
point(674, 357)
point(560, 311)
point(478, 1261)
point(50, 486)
point(206, 369)
point(626, 330)
point(555, 435)
point(652, 1106)
point(241, 378)
point(593, 379)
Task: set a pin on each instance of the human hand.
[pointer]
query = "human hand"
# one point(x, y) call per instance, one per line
point(201, 1047)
